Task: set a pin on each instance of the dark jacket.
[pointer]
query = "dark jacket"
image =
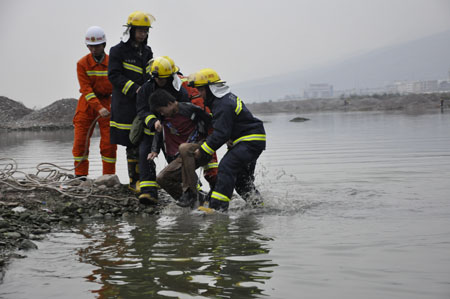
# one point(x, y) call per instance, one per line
point(143, 108)
point(232, 121)
point(127, 70)
point(199, 118)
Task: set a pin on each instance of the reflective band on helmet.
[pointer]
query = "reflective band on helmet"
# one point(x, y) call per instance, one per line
point(120, 126)
point(143, 184)
point(219, 196)
point(127, 86)
point(252, 137)
point(97, 73)
point(108, 159)
point(238, 106)
point(148, 132)
point(207, 149)
point(89, 96)
point(148, 118)
point(210, 166)
point(132, 67)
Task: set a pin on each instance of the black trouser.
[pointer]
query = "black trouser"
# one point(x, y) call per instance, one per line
point(236, 170)
point(147, 167)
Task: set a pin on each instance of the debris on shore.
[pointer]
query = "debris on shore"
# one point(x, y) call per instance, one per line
point(29, 213)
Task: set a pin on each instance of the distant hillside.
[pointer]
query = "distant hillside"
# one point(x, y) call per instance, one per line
point(58, 115)
point(11, 111)
point(422, 59)
point(414, 103)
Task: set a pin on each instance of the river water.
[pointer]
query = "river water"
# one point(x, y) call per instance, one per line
point(357, 206)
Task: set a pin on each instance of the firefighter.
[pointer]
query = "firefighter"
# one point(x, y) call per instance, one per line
point(235, 126)
point(128, 71)
point(161, 78)
point(94, 104)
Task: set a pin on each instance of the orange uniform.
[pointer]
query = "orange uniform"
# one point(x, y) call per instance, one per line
point(95, 90)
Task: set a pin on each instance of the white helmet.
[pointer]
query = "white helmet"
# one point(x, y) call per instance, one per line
point(95, 36)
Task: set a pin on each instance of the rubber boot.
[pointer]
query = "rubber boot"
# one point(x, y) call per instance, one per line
point(188, 198)
point(147, 199)
point(133, 169)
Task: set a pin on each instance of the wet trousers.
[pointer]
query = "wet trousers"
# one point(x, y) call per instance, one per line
point(236, 171)
point(147, 168)
point(179, 176)
point(82, 122)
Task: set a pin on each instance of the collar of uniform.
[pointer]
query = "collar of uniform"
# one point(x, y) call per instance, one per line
point(93, 62)
point(176, 82)
point(219, 90)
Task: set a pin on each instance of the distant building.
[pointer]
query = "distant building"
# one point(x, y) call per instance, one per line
point(322, 90)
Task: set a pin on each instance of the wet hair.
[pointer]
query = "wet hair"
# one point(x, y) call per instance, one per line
point(160, 98)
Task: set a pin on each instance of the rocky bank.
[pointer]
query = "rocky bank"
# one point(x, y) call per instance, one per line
point(31, 208)
point(412, 103)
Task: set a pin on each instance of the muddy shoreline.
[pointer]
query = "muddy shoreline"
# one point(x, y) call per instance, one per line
point(30, 213)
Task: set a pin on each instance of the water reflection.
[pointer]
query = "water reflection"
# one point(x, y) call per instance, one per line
point(179, 256)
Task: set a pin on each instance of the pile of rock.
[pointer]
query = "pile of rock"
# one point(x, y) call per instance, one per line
point(56, 116)
point(29, 215)
point(10, 111)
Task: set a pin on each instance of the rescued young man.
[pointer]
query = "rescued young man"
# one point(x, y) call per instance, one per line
point(186, 126)
point(234, 124)
point(210, 169)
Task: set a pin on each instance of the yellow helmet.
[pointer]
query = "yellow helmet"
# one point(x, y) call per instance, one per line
point(140, 19)
point(204, 77)
point(160, 67)
point(175, 69)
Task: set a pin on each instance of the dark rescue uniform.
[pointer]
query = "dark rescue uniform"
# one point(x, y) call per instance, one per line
point(127, 71)
point(147, 167)
point(232, 121)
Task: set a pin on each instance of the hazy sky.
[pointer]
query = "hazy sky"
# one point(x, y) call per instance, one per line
point(241, 39)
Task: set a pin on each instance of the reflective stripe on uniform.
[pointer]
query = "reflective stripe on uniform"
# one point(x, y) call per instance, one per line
point(90, 96)
point(132, 67)
point(238, 106)
point(147, 69)
point(143, 184)
point(127, 86)
point(120, 126)
point(82, 158)
point(97, 73)
point(108, 159)
point(148, 132)
point(210, 166)
point(252, 137)
point(207, 149)
point(148, 118)
point(219, 196)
